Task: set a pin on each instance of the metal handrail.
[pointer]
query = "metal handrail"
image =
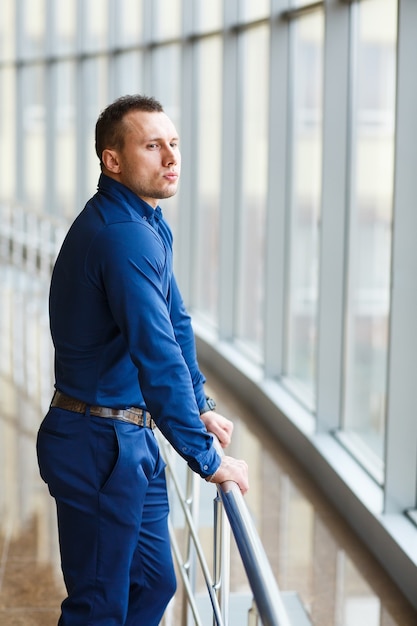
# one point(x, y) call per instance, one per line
point(266, 594)
point(30, 240)
point(258, 569)
point(184, 566)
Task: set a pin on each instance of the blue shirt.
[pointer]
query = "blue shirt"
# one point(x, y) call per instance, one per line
point(121, 333)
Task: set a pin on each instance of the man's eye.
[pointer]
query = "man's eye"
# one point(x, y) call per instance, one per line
point(152, 146)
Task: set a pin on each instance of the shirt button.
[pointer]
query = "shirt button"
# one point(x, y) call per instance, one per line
point(184, 449)
point(205, 467)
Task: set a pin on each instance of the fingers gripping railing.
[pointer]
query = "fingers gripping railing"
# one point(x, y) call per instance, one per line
point(267, 604)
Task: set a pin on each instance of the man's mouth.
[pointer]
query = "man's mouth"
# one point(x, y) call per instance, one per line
point(171, 176)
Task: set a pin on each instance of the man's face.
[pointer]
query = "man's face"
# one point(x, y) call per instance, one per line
point(149, 163)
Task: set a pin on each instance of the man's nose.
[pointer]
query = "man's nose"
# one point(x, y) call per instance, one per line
point(170, 155)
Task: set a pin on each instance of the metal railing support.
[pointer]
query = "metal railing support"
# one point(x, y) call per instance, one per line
point(267, 606)
point(183, 565)
point(258, 569)
point(253, 617)
point(30, 240)
point(221, 558)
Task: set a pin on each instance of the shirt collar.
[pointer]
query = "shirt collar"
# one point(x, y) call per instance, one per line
point(152, 216)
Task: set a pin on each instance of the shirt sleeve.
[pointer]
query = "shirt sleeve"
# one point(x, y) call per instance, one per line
point(131, 270)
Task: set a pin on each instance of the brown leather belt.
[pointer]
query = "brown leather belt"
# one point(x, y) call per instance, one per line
point(137, 416)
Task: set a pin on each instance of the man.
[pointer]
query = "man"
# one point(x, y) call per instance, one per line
point(124, 360)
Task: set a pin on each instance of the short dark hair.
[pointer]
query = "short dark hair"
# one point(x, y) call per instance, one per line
point(109, 126)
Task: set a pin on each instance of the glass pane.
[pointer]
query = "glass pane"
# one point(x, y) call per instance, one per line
point(306, 146)
point(33, 27)
point(166, 85)
point(128, 73)
point(7, 133)
point(368, 298)
point(7, 29)
point(129, 22)
point(65, 137)
point(254, 148)
point(209, 15)
point(65, 31)
point(250, 10)
point(208, 177)
point(34, 132)
point(166, 15)
point(95, 20)
point(95, 80)
point(298, 4)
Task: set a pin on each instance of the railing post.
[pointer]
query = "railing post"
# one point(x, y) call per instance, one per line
point(266, 593)
point(221, 559)
point(192, 494)
point(253, 617)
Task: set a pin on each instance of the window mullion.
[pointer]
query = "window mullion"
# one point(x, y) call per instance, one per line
point(401, 440)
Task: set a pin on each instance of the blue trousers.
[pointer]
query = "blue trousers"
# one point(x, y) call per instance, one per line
point(108, 481)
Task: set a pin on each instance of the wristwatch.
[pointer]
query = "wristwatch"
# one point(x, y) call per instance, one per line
point(210, 405)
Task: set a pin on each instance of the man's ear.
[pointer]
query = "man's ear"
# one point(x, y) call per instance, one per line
point(110, 160)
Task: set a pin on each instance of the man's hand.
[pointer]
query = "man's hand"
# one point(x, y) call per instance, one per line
point(219, 426)
point(232, 469)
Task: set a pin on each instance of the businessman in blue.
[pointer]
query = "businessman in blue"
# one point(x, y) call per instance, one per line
point(124, 362)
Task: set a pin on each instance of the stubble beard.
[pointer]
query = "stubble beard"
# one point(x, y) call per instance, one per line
point(156, 194)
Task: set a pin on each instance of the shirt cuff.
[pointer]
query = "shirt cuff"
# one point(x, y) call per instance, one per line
point(205, 463)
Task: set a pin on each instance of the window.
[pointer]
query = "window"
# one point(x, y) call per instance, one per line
point(128, 25)
point(64, 38)
point(34, 126)
point(65, 136)
point(306, 109)
point(207, 197)
point(127, 73)
point(249, 11)
point(94, 73)
point(166, 87)
point(370, 224)
point(250, 226)
point(209, 15)
point(7, 136)
point(32, 41)
point(95, 24)
point(7, 29)
point(167, 17)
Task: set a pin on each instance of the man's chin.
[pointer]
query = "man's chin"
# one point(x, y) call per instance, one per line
point(169, 192)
